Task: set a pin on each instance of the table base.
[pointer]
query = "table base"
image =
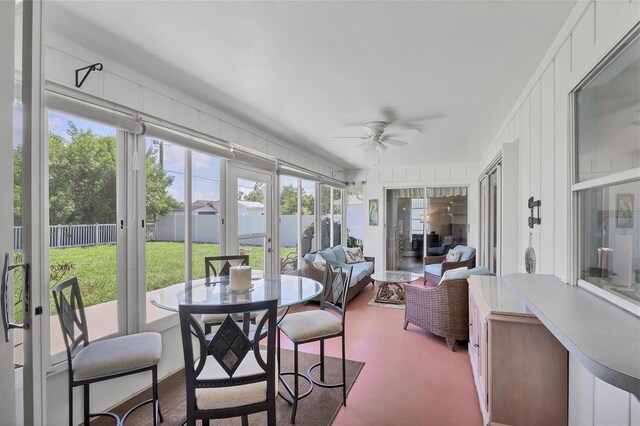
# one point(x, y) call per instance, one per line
point(392, 293)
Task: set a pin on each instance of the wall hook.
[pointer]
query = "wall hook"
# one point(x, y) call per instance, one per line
point(95, 67)
point(532, 219)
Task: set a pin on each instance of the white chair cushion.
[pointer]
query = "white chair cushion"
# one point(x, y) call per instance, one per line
point(303, 326)
point(451, 272)
point(232, 396)
point(453, 255)
point(117, 355)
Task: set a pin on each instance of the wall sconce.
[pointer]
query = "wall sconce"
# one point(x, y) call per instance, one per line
point(532, 219)
point(424, 218)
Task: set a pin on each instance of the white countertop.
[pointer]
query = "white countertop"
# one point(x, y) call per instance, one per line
point(496, 298)
point(600, 335)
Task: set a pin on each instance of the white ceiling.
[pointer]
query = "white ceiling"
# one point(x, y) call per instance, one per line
point(302, 70)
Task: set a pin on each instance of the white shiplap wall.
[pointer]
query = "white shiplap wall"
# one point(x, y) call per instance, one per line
point(379, 178)
point(540, 122)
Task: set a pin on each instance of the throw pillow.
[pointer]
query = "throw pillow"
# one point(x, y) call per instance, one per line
point(319, 262)
point(453, 255)
point(353, 255)
point(450, 273)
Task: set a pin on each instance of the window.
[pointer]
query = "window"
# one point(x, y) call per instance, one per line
point(84, 234)
point(355, 216)
point(168, 176)
point(165, 218)
point(297, 219)
point(330, 216)
point(606, 184)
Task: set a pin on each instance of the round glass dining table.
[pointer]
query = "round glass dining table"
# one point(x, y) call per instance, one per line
point(289, 290)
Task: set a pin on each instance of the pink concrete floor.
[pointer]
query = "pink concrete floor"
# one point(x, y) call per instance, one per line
point(410, 376)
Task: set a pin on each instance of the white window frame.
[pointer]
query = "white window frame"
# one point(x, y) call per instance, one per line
point(577, 188)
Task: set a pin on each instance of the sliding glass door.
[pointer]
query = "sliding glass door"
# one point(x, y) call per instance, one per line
point(490, 219)
point(423, 222)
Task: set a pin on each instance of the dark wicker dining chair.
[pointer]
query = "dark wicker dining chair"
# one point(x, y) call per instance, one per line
point(224, 264)
point(318, 325)
point(91, 362)
point(230, 374)
point(443, 310)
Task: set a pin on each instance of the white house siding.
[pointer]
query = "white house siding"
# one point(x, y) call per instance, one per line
point(539, 121)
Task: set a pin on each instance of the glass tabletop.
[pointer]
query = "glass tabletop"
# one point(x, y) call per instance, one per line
point(395, 276)
point(288, 289)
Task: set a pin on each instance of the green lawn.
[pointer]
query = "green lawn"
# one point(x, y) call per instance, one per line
point(95, 266)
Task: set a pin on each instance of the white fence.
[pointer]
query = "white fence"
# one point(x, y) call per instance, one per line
point(206, 228)
point(80, 235)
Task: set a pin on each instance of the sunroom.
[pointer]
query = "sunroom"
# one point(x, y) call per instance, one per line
point(444, 192)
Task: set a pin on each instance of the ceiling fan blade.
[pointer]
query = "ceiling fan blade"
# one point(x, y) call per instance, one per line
point(348, 137)
point(393, 135)
point(396, 142)
point(363, 144)
point(422, 118)
point(381, 147)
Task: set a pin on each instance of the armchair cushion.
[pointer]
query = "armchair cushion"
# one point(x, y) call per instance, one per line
point(465, 252)
point(464, 274)
point(434, 269)
point(453, 255)
point(451, 272)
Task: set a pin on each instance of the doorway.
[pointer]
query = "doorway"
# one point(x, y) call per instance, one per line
point(423, 222)
point(250, 225)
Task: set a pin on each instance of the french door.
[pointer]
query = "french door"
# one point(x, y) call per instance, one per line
point(21, 357)
point(250, 225)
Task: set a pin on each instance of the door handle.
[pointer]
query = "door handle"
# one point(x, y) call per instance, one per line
point(4, 290)
point(269, 250)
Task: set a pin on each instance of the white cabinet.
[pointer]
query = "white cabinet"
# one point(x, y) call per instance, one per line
point(520, 369)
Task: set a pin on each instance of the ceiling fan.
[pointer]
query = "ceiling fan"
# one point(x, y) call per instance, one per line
point(379, 134)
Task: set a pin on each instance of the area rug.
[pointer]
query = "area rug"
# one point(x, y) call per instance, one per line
point(319, 408)
point(372, 302)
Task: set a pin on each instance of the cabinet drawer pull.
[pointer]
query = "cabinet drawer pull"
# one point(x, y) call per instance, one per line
point(476, 345)
point(470, 324)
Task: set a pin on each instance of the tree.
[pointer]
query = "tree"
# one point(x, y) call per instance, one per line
point(289, 201)
point(256, 195)
point(158, 202)
point(82, 180)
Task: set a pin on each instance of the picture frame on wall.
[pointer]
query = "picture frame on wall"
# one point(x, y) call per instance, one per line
point(624, 210)
point(373, 212)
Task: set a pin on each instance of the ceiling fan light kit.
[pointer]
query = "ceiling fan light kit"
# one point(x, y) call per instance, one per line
point(378, 134)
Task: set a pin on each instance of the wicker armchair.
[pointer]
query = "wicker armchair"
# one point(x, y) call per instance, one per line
point(443, 310)
point(435, 279)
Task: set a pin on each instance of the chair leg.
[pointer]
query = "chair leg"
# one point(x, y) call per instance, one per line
point(344, 373)
point(295, 383)
point(278, 352)
point(86, 404)
point(207, 328)
point(322, 360)
point(245, 420)
point(156, 402)
point(70, 403)
point(271, 412)
point(406, 323)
